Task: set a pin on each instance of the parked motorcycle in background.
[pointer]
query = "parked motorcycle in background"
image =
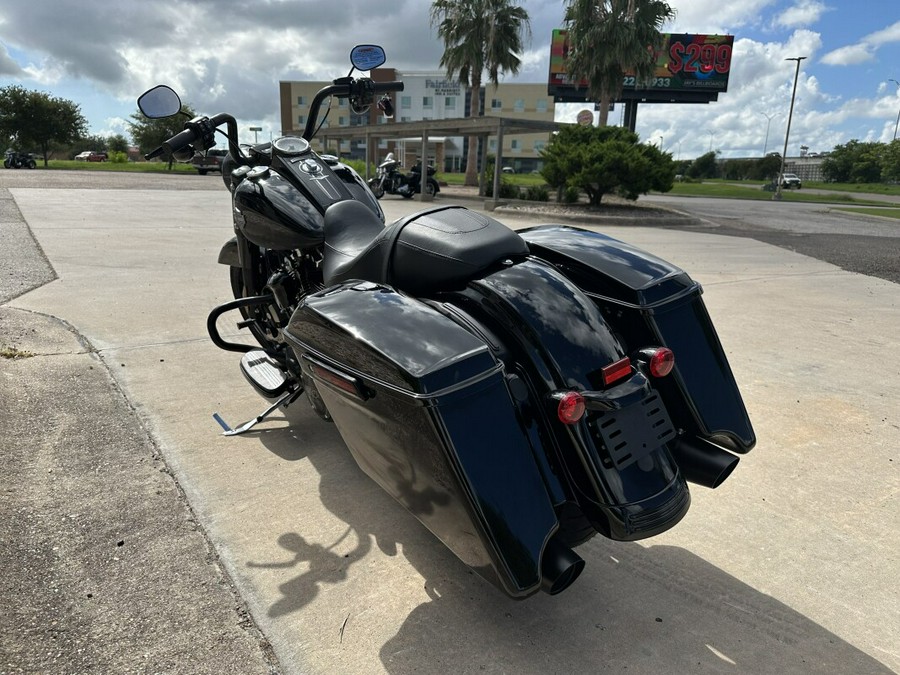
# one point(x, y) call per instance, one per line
point(18, 160)
point(518, 392)
point(389, 179)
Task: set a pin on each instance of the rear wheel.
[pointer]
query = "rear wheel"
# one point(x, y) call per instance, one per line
point(31, 164)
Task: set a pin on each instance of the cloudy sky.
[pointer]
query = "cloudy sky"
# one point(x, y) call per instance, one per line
point(224, 55)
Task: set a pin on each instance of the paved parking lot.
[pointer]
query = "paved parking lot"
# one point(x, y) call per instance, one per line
point(789, 567)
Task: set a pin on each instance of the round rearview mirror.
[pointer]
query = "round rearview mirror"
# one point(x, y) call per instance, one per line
point(366, 57)
point(159, 102)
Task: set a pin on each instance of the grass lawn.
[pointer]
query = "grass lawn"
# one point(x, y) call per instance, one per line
point(755, 191)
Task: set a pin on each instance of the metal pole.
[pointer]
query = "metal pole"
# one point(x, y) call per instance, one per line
point(768, 122)
point(787, 134)
point(898, 112)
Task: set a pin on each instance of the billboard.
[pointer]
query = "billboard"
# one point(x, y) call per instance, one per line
point(689, 67)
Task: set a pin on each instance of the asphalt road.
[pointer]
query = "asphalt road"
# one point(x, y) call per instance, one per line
point(135, 538)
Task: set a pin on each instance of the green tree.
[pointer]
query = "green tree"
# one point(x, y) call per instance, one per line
point(34, 119)
point(118, 143)
point(607, 38)
point(149, 134)
point(891, 162)
point(766, 168)
point(93, 142)
point(854, 162)
point(479, 36)
point(602, 160)
point(705, 166)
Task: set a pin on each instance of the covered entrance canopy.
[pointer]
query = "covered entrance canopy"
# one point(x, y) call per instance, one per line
point(483, 127)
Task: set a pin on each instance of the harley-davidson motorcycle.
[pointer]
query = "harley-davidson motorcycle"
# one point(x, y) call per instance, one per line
point(18, 160)
point(391, 180)
point(518, 392)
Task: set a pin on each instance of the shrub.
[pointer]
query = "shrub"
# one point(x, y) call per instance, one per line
point(571, 194)
point(537, 193)
point(118, 158)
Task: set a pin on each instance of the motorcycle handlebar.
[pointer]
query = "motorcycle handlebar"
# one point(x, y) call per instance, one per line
point(384, 87)
point(343, 88)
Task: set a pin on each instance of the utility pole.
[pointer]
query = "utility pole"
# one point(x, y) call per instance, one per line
point(787, 134)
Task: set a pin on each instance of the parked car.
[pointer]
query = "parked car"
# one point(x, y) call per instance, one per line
point(211, 161)
point(91, 156)
point(790, 181)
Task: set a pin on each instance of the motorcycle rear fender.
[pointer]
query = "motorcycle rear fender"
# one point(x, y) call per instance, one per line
point(649, 302)
point(554, 338)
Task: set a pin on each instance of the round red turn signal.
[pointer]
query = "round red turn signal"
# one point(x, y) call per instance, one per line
point(570, 408)
point(662, 362)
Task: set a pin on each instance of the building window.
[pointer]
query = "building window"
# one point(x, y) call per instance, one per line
point(496, 104)
point(428, 102)
point(519, 105)
point(342, 121)
point(492, 145)
point(450, 102)
point(405, 102)
point(516, 145)
point(301, 120)
point(301, 100)
point(542, 105)
point(406, 118)
point(539, 146)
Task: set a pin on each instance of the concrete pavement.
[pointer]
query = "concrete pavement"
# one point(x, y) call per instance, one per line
point(790, 567)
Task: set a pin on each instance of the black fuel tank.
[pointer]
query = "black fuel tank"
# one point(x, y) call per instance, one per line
point(282, 206)
point(271, 212)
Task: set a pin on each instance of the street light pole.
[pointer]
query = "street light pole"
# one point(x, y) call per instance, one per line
point(898, 112)
point(254, 130)
point(787, 134)
point(768, 122)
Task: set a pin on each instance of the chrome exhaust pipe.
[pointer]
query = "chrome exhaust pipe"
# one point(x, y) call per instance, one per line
point(560, 566)
point(702, 462)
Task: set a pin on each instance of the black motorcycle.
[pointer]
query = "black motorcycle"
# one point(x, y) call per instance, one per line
point(18, 160)
point(518, 392)
point(389, 179)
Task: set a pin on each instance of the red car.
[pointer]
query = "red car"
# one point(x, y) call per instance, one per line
point(91, 156)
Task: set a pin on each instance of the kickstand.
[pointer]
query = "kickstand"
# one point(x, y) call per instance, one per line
point(286, 399)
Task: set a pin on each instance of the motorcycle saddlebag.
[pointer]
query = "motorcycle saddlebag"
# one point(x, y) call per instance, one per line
point(424, 408)
point(652, 302)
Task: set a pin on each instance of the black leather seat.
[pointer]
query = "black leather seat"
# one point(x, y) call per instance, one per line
point(437, 249)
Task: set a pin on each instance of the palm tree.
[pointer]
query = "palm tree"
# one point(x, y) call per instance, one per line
point(479, 36)
point(607, 38)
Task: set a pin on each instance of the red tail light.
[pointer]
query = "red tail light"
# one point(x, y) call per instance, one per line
point(661, 362)
point(570, 407)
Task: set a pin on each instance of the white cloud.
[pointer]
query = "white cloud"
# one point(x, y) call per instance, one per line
point(864, 50)
point(850, 55)
point(804, 13)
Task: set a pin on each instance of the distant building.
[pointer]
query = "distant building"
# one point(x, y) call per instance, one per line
point(429, 96)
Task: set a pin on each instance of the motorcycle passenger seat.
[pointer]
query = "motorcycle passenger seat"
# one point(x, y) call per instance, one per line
point(429, 251)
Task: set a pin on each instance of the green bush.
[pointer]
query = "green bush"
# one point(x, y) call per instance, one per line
point(537, 193)
point(507, 190)
point(118, 157)
point(571, 194)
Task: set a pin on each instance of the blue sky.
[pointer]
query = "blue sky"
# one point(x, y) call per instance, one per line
point(230, 55)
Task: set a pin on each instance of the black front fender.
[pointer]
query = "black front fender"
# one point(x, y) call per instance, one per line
point(229, 253)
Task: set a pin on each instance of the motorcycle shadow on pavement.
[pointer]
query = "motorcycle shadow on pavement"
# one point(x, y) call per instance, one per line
point(641, 608)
